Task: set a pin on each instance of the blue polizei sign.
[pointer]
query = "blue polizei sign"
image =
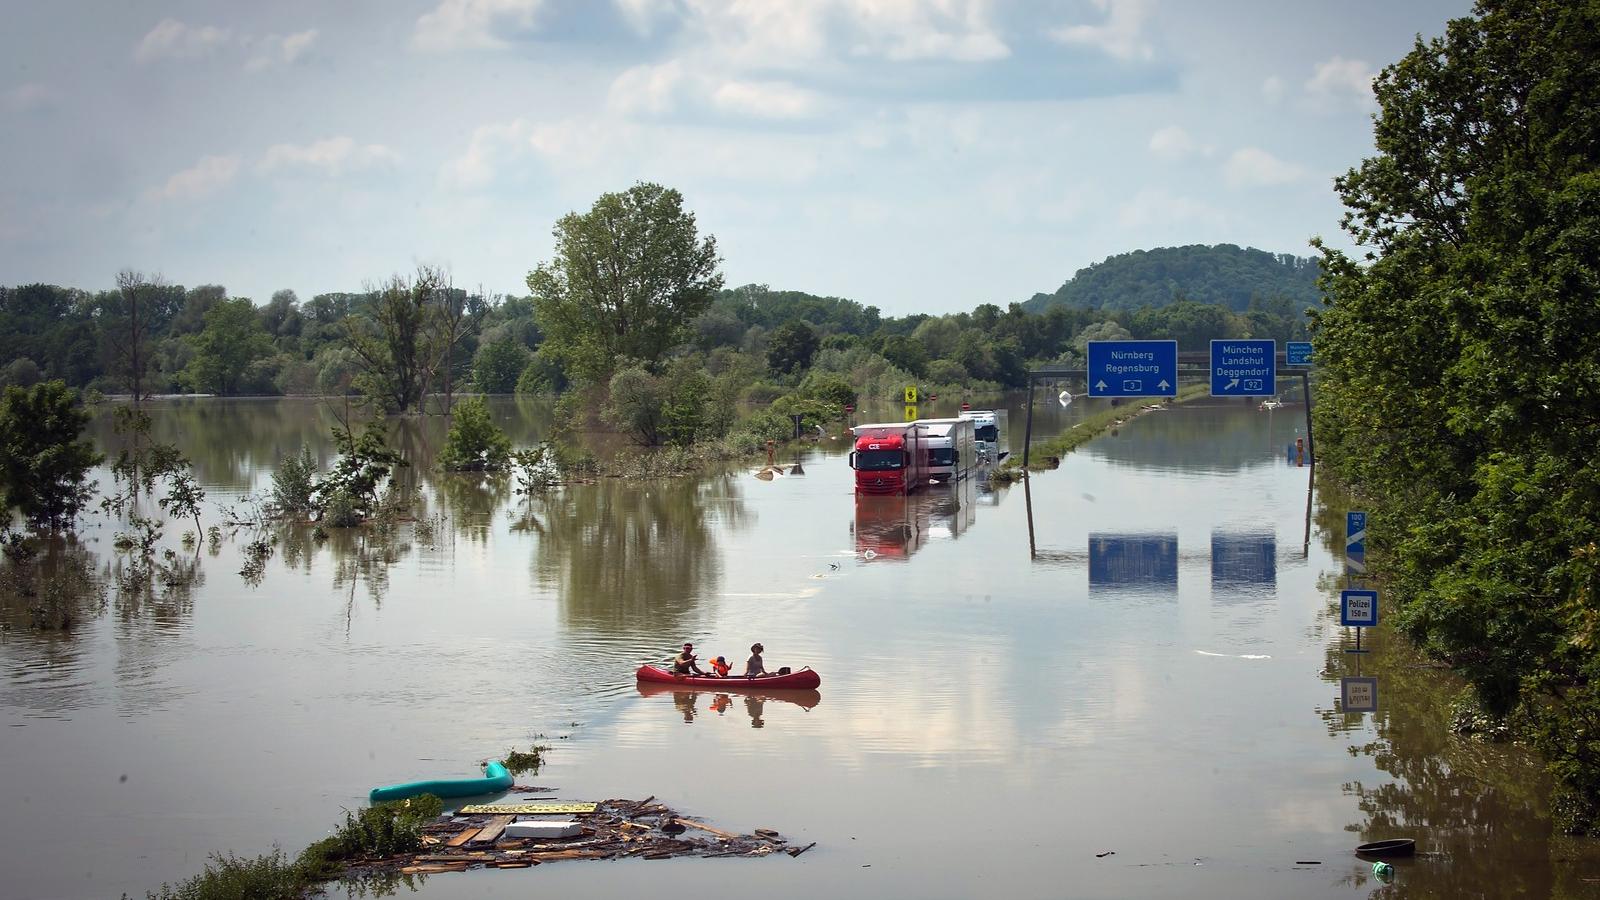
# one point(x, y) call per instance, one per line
point(1244, 368)
point(1297, 353)
point(1355, 533)
point(1358, 608)
point(1133, 368)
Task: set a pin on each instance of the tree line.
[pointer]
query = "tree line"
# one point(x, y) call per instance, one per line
point(1460, 370)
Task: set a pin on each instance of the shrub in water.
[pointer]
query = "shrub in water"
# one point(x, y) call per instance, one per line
point(475, 442)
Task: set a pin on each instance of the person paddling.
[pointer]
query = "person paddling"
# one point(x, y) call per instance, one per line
point(684, 663)
point(754, 666)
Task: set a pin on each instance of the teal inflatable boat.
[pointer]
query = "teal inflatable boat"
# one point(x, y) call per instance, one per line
point(495, 778)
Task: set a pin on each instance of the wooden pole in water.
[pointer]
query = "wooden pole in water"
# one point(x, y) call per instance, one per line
point(1027, 498)
point(1027, 432)
point(1311, 442)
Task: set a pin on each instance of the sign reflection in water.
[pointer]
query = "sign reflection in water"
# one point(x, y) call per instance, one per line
point(1133, 560)
point(1243, 561)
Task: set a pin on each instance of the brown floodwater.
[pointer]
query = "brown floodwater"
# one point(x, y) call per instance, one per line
point(1119, 679)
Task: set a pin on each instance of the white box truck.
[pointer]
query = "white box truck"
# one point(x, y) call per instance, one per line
point(990, 426)
point(952, 447)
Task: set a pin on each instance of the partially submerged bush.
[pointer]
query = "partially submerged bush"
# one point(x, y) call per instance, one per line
point(475, 443)
point(293, 485)
point(527, 762)
point(383, 829)
point(269, 877)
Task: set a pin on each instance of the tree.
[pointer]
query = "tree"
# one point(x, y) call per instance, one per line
point(636, 404)
point(475, 443)
point(906, 353)
point(281, 316)
point(498, 365)
point(628, 279)
point(44, 461)
point(388, 336)
point(452, 317)
point(791, 346)
point(135, 290)
point(233, 339)
point(1461, 364)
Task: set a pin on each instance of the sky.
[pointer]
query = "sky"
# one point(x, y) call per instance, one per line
point(917, 155)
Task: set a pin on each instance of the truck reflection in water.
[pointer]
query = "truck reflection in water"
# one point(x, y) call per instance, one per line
point(895, 527)
point(1243, 564)
point(1146, 561)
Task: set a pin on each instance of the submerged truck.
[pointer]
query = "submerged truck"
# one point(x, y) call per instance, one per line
point(990, 426)
point(889, 458)
point(952, 448)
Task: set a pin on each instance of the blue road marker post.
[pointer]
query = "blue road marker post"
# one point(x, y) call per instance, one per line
point(1244, 368)
point(1297, 353)
point(1355, 533)
point(1133, 368)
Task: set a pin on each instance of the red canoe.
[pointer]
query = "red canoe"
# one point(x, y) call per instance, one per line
point(803, 680)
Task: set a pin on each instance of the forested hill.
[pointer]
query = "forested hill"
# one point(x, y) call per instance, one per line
point(1224, 275)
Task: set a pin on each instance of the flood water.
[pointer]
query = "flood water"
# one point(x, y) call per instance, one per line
point(1120, 679)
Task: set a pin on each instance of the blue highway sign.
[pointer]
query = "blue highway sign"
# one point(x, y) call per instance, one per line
point(1244, 368)
point(1297, 353)
point(1133, 368)
point(1133, 560)
point(1355, 533)
point(1358, 608)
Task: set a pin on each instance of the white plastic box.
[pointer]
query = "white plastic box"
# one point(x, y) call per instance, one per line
point(543, 828)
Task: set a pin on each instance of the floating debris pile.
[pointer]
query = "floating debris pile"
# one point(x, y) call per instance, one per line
point(478, 837)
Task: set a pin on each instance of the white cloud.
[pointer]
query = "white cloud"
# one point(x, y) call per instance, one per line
point(1174, 143)
point(274, 50)
point(641, 15)
point(172, 39)
point(1120, 36)
point(466, 24)
point(1254, 167)
point(209, 175)
point(765, 99)
point(331, 156)
point(1273, 89)
point(902, 30)
point(489, 148)
point(1156, 207)
point(1341, 80)
point(28, 98)
point(647, 89)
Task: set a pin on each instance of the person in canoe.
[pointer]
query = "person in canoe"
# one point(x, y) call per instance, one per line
point(720, 667)
point(754, 667)
point(684, 663)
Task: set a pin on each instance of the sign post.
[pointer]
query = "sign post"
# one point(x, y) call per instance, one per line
point(1133, 368)
point(911, 394)
point(1244, 368)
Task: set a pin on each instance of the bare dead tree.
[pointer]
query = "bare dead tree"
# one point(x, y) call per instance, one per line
point(135, 287)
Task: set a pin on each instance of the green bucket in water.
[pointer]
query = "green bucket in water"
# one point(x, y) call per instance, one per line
point(1383, 872)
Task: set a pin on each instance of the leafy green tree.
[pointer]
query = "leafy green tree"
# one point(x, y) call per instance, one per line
point(1461, 365)
point(629, 278)
point(499, 364)
point(44, 460)
point(636, 405)
point(475, 443)
point(389, 335)
point(233, 339)
point(542, 375)
point(907, 353)
point(349, 494)
point(791, 346)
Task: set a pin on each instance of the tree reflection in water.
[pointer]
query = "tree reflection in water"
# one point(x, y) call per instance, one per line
point(1477, 810)
point(634, 557)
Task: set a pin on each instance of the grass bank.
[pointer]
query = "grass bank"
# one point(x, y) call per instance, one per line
point(1047, 454)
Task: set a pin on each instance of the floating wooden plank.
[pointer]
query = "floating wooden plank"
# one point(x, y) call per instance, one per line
point(514, 863)
point(796, 851)
point(462, 838)
point(530, 809)
point(492, 830)
point(725, 835)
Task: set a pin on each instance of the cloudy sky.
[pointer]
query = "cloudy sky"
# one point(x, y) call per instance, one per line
point(921, 155)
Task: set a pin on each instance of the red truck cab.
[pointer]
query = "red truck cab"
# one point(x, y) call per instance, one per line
point(889, 458)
